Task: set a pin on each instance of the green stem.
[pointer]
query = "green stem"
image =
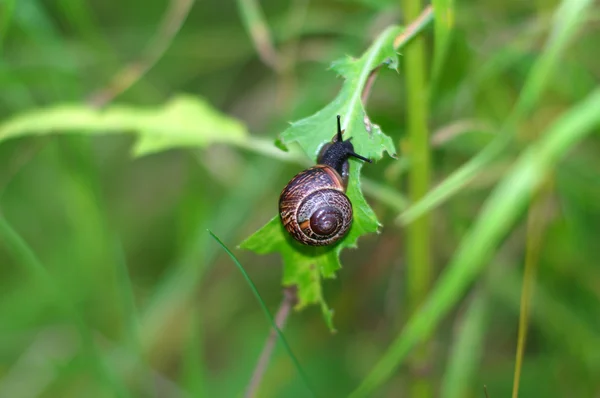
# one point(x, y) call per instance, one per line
point(418, 249)
point(536, 223)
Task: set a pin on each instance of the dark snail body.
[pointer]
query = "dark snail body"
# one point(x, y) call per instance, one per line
point(313, 206)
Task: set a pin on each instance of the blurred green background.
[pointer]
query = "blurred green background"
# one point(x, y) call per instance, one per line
point(111, 286)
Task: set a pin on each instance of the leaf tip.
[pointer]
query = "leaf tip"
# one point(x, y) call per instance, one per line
point(328, 316)
point(280, 144)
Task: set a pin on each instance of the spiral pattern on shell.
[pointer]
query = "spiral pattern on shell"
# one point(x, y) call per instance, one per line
point(314, 208)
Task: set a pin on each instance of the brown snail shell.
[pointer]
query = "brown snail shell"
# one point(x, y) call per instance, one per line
point(313, 206)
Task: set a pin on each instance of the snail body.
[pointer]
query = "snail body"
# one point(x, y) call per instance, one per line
point(313, 206)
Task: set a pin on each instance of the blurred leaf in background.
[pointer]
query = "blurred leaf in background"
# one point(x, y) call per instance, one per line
point(183, 121)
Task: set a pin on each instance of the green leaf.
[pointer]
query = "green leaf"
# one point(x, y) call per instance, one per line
point(305, 266)
point(182, 122)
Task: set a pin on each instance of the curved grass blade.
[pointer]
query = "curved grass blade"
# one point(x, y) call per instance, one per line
point(267, 314)
point(496, 218)
point(197, 255)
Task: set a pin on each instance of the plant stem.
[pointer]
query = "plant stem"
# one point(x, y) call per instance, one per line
point(418, 251)
point(256, 25)
point(289, 299)
point(536, 224)
point(276, 328)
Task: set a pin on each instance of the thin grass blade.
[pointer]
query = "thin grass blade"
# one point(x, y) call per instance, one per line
point(267, 313)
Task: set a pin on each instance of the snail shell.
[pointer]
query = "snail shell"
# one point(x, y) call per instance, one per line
point(314, 208)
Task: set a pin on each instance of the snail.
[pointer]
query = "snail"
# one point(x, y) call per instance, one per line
point(313, 206)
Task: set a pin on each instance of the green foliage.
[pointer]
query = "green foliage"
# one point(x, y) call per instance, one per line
point(6, 13)
point(185, 121)
point(500, 211)
point(467, 347)
point(567, 20)
point(111, 285)
point(443, 27)
point(305, 266)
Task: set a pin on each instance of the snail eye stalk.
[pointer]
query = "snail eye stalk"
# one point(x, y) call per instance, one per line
point(356, 155)
point(339, 132)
